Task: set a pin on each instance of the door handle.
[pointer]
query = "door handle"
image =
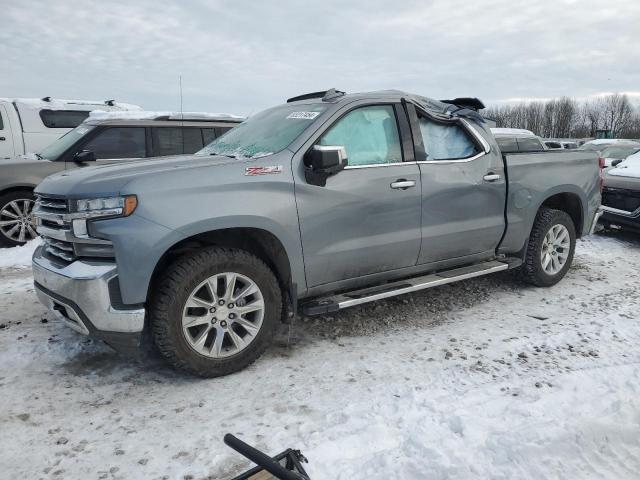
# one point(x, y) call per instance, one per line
point(491, 177)
point(403, 184)
point(2, 139)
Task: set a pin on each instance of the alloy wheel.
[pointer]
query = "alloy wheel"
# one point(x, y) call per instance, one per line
point(223, 315)
point(16, 221)
point(555, 249)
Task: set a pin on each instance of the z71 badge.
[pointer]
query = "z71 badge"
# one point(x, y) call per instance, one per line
point(263, 170)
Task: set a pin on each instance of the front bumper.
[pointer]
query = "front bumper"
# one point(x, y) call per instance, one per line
point(81, 295)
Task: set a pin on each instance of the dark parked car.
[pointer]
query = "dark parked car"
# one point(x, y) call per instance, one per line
point(621, 195)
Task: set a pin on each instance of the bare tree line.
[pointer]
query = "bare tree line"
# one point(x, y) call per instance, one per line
point(565, 117)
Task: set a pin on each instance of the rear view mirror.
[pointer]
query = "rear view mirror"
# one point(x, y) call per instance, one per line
point(84, 156)
point(322, 161)
point(616, 162)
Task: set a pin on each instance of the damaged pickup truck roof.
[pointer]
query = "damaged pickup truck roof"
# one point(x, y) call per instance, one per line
point(444, 109)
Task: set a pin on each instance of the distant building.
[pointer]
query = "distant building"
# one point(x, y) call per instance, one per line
point(604, 133)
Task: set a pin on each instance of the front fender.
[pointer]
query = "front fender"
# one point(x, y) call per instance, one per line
point(287, 234)
point(184, 202)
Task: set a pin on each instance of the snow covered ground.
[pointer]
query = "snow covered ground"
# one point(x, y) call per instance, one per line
point(482, 379)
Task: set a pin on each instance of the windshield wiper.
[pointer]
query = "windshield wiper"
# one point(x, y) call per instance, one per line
point(223, 155)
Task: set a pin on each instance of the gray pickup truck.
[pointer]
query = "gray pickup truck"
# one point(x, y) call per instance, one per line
point(325, 202)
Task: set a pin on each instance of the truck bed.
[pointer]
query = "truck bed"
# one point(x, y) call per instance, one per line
point(535, 176)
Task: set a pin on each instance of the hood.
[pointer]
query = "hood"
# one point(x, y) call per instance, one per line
point(29, 159)
point(110, 179)
point(624, 176)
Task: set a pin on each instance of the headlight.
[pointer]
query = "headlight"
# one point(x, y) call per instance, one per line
point(107, 206)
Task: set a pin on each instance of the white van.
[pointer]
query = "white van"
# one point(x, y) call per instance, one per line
point(31, 124)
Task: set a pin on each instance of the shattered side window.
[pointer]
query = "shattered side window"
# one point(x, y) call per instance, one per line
point(445, 141)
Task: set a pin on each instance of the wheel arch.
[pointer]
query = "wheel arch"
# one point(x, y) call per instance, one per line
point(17, 188)
point(521, 217)
point(262, 243)
point(571, 204)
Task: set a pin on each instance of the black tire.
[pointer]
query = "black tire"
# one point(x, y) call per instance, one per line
point(532, 271)
point(178, 281)
point(5, 199)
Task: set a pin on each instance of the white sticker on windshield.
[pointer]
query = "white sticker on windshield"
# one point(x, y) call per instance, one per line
point(82, 130)
point(303, 115)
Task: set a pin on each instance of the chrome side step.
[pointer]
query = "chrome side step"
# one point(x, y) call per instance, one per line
point(365, 295)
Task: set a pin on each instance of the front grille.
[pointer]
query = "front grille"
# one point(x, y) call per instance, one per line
point(60, 249)
point(52, 204)
point(621, 199)
point(49, 213)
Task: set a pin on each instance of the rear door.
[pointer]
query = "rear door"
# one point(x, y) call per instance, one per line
point(463, 190)
point(6, 135)
point(176, 140)
point(364, 221)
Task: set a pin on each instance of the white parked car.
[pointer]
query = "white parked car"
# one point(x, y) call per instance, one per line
point(600, 144)
point(514, 140)
point(618, 152)
point(31, 124)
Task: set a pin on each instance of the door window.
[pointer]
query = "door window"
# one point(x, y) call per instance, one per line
point(369, 135)
point(192, 140)
point(118, 142)
point(209, 135)
point(1, 124)
point(445, 141)
point(222, 130)
point(166, 141)
point(176, 141)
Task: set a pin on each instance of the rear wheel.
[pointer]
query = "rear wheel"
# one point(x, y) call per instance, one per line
point(551, 247)
point(215, 311)
point(16, 225)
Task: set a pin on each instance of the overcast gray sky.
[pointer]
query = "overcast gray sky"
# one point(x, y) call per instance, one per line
point(241, 56)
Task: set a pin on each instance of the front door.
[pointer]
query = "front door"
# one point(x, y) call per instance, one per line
point(6, 137)
point(463, 191)
point(115, 144)
point(366, 219)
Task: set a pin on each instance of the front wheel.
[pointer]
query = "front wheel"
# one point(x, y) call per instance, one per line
point(215, 311)
point(551, 247)
point(16, 225)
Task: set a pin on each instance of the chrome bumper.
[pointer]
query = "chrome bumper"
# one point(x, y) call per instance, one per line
point(78, 295)
point(622, 213)
point(596, 217)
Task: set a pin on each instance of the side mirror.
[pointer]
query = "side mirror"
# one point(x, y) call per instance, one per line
point(84, 156)
point(322, 161)
point(616, 162)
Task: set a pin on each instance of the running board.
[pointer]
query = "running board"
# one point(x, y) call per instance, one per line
point(371, 294)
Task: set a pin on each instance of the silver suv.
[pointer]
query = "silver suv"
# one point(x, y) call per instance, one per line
point(105, 137)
